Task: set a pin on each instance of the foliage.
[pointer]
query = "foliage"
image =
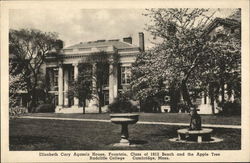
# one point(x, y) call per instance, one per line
point(183, 57)
point(44, 108)
point(16, 83)
point(236, 15)
point(29, 48)
point(16, 111)
point(182, 107)
point(152, 103)
point(230, 108)
point(179, 54)
point(82, 87)
point(144, 83)
point(224, 68)
point(122, 104)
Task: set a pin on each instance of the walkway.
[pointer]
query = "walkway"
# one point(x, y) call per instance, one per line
point(139, 122)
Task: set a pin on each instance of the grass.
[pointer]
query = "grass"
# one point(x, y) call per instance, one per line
point(35, 134)
point(155, 117)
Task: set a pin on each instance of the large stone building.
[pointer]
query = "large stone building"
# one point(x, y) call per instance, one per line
point(62, 68)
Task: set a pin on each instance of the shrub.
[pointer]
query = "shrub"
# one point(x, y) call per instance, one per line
point(231, 108)
point(17, 111)
point(122, 104)
point(44, 108)
point(182, 107)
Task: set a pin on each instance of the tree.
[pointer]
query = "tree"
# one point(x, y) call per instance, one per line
point(29, 48)
point(82, 87)
point(16, 83)
point(236, 15)
point(181, 54)
point(145, 85)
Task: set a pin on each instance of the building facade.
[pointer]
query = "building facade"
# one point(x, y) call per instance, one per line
point(62, 68)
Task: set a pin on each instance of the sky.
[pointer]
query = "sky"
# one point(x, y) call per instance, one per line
point(82, 25)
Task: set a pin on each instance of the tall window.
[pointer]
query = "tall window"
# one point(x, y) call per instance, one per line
point(55, 79)
point(72, 74)
point(106, 97)
point(125, 74)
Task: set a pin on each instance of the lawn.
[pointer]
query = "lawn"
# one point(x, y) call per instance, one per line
point(154, 117)
point(35, 134)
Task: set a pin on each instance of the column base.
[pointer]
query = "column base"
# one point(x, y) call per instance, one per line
point(68, 110)
point(58, 109)
point(75, 107)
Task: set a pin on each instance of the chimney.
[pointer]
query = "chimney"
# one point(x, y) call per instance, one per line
point(59, 45)
point(141, 41)
point(127, 40)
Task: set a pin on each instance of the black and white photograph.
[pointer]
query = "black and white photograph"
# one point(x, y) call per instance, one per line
point(127, 81)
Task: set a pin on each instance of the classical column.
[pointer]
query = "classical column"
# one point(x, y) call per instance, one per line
point(60, 85)
point(203, 98)
point(93, 103)
point(76, 100)
point(66, 87)
point(113, 84)
point(232, 96)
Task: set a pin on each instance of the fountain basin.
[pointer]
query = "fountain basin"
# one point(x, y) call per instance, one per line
point(124, 119)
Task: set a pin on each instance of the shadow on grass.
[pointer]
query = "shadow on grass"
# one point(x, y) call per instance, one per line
point(29, 141)
point(138, 142)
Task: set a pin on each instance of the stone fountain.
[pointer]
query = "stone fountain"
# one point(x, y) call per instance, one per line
point(124, 119)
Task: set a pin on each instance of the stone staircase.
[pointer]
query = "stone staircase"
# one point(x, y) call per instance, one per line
point(73, 109)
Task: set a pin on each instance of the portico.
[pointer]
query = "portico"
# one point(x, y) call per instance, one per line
point(63, 69)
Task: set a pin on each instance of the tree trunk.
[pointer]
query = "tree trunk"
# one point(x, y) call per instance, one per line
point(211, 96)
point(29, 102)
point(100, 101)
point(33, 94)
point(185, 94)
point(212, 101)
point(222, 94)
point(83, 106)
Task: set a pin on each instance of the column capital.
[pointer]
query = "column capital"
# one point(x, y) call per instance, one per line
point(75, 64)
point(60, 65)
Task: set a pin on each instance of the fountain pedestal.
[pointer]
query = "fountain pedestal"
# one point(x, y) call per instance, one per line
point(124, 119)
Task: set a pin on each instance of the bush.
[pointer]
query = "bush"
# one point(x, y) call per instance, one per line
point(182, 107)
point(17, 111)
point(231, 108)
point(44, 108)
point(122, 104)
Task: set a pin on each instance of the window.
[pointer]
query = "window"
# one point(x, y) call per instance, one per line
point(68, 50)
point(72, 74)
point(84, 49)
point(125, 74)
point(55, 79)
point(106, 97)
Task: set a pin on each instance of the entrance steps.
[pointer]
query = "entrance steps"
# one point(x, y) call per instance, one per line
point(75, 109)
